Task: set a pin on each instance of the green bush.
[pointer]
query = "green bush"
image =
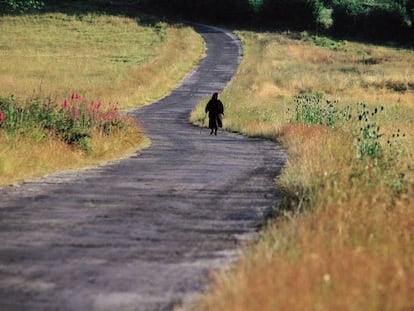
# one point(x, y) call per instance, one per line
point(386, 20)
point(20, 6)
point(347, 17)
point(410, 11)
point(224, 11)
point(293, 14)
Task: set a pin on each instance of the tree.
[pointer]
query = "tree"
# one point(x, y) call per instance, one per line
point(410, 11)
point(295, 14)
point(20, 6)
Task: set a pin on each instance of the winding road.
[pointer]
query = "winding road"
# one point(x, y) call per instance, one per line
point(142, 233)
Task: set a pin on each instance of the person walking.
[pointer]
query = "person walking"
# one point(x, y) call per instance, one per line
point(215, 111)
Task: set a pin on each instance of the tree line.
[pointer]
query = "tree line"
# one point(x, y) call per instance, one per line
point(365, 19)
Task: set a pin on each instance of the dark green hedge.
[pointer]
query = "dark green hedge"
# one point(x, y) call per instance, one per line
point(382, 20)
point(20, 6)
point(222, 11)
point(293, 14)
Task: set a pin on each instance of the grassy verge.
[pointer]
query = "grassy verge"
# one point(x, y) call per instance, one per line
point(344, 237)
point(109, 59)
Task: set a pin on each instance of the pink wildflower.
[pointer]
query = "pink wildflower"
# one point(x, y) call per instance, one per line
point(65, 104)
point(1, 117)
point(74, 113)
point(75, 97)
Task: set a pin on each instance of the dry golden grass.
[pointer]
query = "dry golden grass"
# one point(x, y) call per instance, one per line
point(346, 240)
point(102, 57)
point(22, 159)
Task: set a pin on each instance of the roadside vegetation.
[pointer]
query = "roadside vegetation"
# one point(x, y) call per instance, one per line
point(67, 72)
point(342, 236)
point(377, 20)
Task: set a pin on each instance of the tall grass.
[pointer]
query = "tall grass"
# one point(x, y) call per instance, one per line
point(343, 236)
point(106, 58)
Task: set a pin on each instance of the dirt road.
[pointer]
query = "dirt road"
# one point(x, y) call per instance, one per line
point(142, 233)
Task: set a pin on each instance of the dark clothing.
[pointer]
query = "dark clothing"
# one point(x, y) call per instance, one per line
point(215, 110)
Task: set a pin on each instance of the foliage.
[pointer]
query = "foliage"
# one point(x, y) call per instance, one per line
point(256, 5)
point(372, 20)
point(295, 14)
point(335, 45)
point(367, 137)
point(20, 6)
point(73, 121)
point(378, 155)
point(227, 11)
point(410, 11)
point(366, 19)
point(312, 109)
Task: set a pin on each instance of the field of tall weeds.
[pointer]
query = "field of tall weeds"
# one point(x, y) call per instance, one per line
point(342, 235)
point(65, 78)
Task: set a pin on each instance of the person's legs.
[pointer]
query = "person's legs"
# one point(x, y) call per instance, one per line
point(211, 124)
point(216, 125)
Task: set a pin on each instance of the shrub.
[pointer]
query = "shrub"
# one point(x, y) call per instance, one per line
point(212, 10)
point(386, 22)
point(410, 11)
point(294, 14)
point(377, 21)
point(20, 6)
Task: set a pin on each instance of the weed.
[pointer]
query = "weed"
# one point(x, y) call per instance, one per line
point(312, 109)
point(73, 121)
point(367, 140)
point(380, 160)
point(326, 42)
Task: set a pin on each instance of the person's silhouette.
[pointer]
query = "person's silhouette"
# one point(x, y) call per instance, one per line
point(215, 111)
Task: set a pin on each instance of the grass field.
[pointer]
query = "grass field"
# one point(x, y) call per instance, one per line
point(106, 58)
point(343, 235)
point(103, 57)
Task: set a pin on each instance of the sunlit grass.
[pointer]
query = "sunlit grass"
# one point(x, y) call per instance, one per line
point(343, 236)
point(106, 58)
point(22, 157)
